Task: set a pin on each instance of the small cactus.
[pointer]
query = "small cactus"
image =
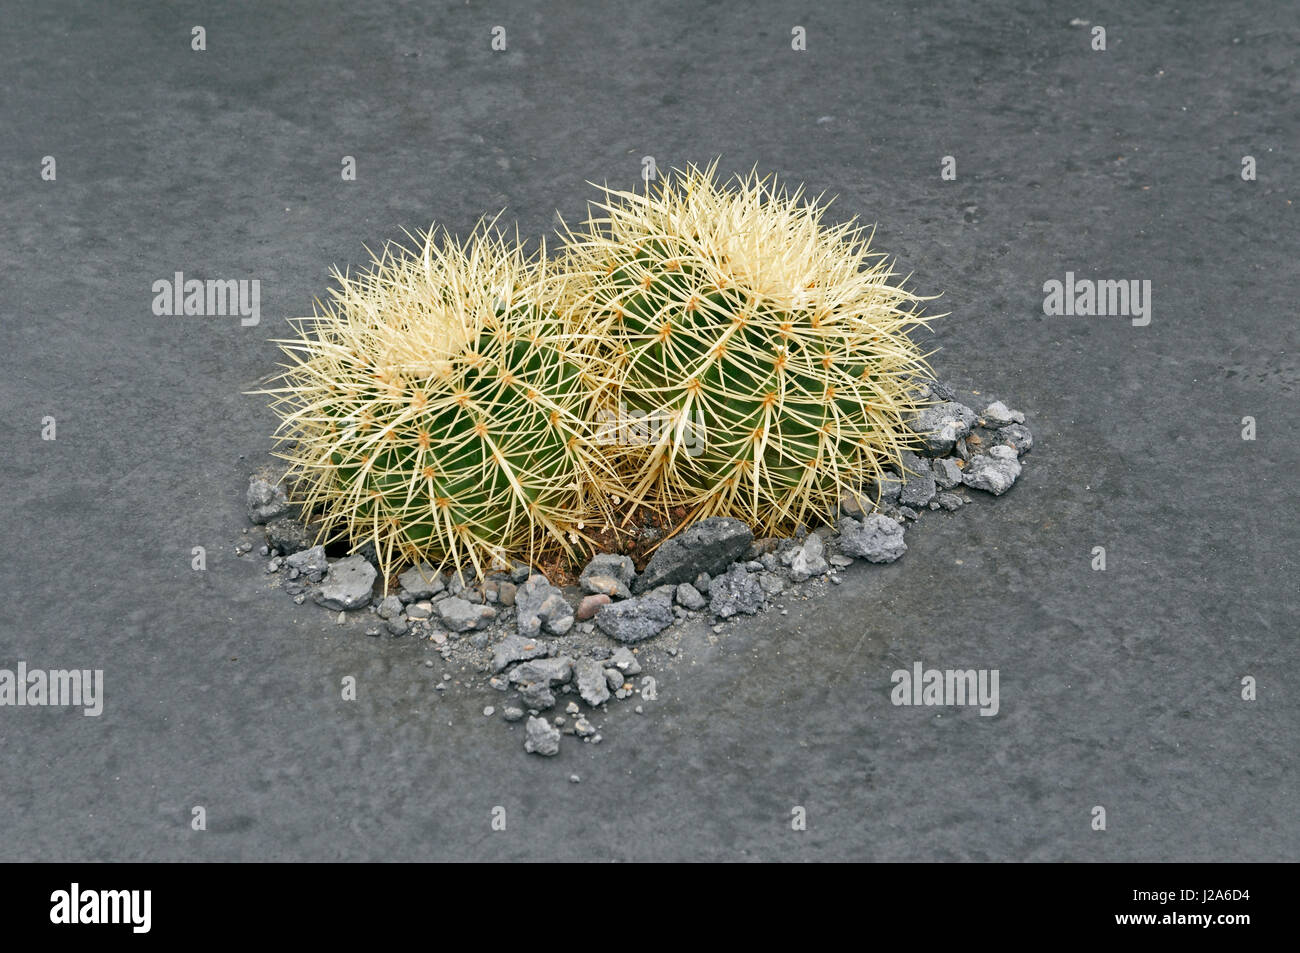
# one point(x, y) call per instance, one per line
point(768, 350)
point(437, 408)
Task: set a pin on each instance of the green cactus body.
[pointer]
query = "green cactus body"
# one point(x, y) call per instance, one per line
point(434, 419)
point(795, 365)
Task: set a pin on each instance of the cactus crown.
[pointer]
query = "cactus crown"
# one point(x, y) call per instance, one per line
point(436, 408)
point(768, 350)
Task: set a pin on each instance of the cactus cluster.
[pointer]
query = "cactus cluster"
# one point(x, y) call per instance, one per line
point(447, 404)
point(766, 352)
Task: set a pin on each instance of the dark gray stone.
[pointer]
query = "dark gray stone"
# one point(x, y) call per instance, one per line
point(940, 427)
point(997, 415)
point(634, 620)
point(689, 596)
point(710, 546)
point(515, 648)
point(809, 560)
point(422, 582)
point(600, 585)
point(625, 661)
point(265, 500)
point(348, 584)
point(460, 615)
point(918, 481)
point(539, 605)
point(993, 472)
point(1016, 436)
point(286, 535)
point(877, 539)
point(592, 686)
point(620, 568)
point(542, 738)
point(309, 562)
point(946, 473)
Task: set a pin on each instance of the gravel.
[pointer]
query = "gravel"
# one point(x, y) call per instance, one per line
point(735, 591)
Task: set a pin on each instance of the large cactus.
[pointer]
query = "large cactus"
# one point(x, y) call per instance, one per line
point(436, 407)
point(765, 353)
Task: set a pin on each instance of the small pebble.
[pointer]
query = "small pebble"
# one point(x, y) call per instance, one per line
point(489, 711)
point(574, 779)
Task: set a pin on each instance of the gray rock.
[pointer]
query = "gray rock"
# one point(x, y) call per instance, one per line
point(1015, 435)
point(810, 560)
point(461, 616)
point(552, 671)
point(537, 696)
point(515, 648)
point(772, 583)
point(419, 610)
point(634, 620)
point(907, 513)
point(542, 738)
point(710, 545)
point(536, 678)
point(510, 713)
point(540, 605)
point(689, 596)
point(941, 425)
point(592, 686)
point(702, 581)
point(265, 500)
point(614, 679)
point(918, 484)
point(950, 501)
point(997, 415)
point(287, 535)
point(390, 607)
point(582, 728)
point(946, 473)
point(993, 472)
point(625, 661)
point(422, 582)
point(397, 626)
point(348, 584)
point(735, 591)
point(506, 592)
point(309, 562)
point(619, 568)
point(877, 539)
point(884, 490)
point(605, 586)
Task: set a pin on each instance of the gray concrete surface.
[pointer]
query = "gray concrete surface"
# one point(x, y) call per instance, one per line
point(1119, 689)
